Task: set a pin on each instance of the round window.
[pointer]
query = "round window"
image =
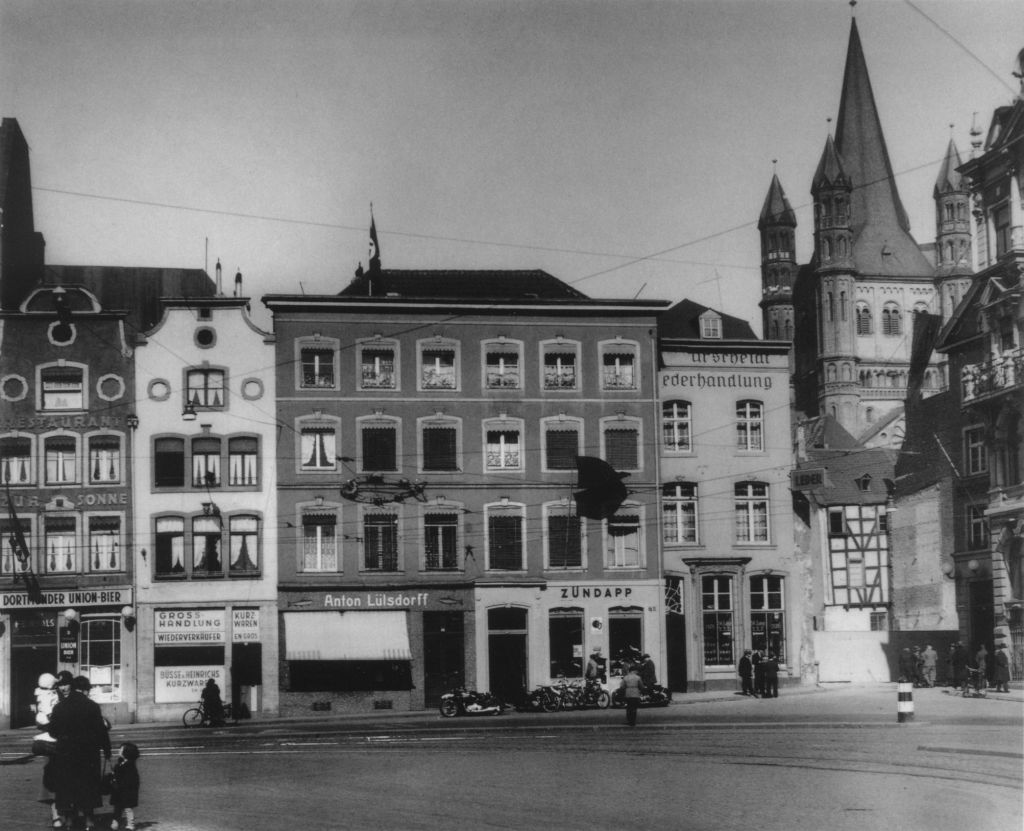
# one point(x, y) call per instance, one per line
point(159, 390)
point(13, 388)
point(205, 337)
point(61, 334)
point(110, 387)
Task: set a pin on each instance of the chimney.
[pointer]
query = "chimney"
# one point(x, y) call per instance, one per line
point(220, 289)
point(238, 283)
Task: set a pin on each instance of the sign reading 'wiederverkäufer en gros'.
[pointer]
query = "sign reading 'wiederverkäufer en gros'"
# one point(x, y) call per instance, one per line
point(66, 598)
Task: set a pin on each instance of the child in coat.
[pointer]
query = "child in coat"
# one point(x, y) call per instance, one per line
point(124, 795)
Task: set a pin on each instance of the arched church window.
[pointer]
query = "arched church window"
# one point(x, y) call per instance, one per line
point(863, 315)
point(842, 305)
point(831, 307)
point(826, 249)
point(891, 320)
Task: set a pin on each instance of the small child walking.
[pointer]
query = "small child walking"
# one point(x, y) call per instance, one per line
point(124, 795)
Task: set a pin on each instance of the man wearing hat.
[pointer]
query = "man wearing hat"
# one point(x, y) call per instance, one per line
point(746, 670)
point(77, 725)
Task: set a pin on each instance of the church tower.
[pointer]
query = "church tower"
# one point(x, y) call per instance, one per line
point(21, 246)
point(777, 225)
point(952, 234)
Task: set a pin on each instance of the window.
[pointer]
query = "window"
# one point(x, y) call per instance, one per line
point(622, 540)
point(977, 528)
point(676, 426)
point(502, 365)
point(318, 367)
point(205, 389)
point(879, 621)
point(10, 563)
point(105, 550)
point(560, 365)
point(438, 369)
point(505, 537)
point(101, 657)
point(679, 513)
point(503, 449)
point(169, 462)
point(380, 541)
point(711, 326)
point(62, 387)
point(622, 443)
point(863, 315)
point(1003, 229)
point(619, 366)
point(749, 425)
point(378, 445)
point(319, 541)
point(892, 321)
point(60, 548)
point(561, 443)
point(378, 366)
point(717, 614)
point(104, 459)
point(751, 512)
point(170, 546)
point(243, 544)
point(975, 451)
point(858, 555)
point(16, 461)
point(565, 643)
point(206, 539)
point(61, 461)
point(768, 616)
point(243, 453)
point(439, 448)
point(440, 540)
point(564, 537)
point(206, 462)
point(317, 447)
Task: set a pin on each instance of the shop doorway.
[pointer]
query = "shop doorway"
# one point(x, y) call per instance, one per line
point(246, 676)
point(982, 618)
point(625, 637)
point(444, 650)
point(33, 652)
point(675, 642)
point(506, 651)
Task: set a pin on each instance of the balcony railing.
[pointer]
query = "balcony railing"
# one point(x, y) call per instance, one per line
point(993, 377)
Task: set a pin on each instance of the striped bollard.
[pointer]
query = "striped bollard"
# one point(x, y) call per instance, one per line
point(904, 702)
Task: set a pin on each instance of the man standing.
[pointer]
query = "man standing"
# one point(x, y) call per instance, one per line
point(746, 670)
point(632, 688)
point(771, 676)
point(929, 658)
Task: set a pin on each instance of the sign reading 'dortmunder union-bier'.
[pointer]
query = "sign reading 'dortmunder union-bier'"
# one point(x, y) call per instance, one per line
point(67, 598)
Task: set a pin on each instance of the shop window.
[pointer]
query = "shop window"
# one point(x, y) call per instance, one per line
point(10, 561)
point(206, 462)
point(62, 388)
point(438, 366)
point(320, 541)
point(380, 541)
point(503, 365)
point(60, 551)
point(61, 460)
point(243, 544)
point(749, 425)
point(768, 615)
point(318, 447)
point(349, 676)
point(205, 389)
point(100, 658)
point(105, 549)
point(440, 540)
point(564, 537)
point(104, 459)
point(717, 619)
point(623, 541)
point(560, 365)
point(505, 537)
point(243, 458)
point(679, 513)
point(561, 443)
point(16, 466)
point(378, 366)
point(439, 445)
point(318, 367)
point(676, 426)
point(565, 643)
point(169, 462)
point(621, 439)
point(170, 546)
point(751, 512)
point(378, 440)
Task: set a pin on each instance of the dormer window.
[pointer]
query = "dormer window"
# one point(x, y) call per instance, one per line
point(711, 326)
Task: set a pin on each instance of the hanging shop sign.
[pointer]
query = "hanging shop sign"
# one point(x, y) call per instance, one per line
point(68, 641)
point(189, 627)
point(67, 599)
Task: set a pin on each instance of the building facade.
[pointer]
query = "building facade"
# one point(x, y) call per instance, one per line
point(431, 422)
point(206, 527)
point(734, 578)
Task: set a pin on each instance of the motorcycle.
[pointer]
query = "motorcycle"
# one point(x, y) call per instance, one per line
point(656, 696)
point(463, 702)
point(542, 699)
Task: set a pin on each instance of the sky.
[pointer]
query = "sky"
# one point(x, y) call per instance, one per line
point(623, 146)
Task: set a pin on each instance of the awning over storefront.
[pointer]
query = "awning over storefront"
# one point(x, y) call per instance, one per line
point(346, 636)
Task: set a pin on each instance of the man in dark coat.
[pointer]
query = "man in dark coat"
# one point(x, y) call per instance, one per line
point(958, 663)
point(771, 676)
point(81, 733)
point(759, 668)
point(746, 670)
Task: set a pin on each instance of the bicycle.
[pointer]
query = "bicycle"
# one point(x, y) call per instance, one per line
point(198, 717)
point(976, 679)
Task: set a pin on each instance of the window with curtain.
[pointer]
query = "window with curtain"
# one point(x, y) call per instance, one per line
point(205, 388)
point(377, 367)
point(317, 367)
point(437, 368)
point(243, 455)
point(380, 542)
point(749, 425)
point(317, 446)
point(206, 541)
point(61, 460)
point(440, 540)
point(679, 513)
point(676, 426)
point(503, 370)
point(751, 512)
point(60, 544)
point(618, 368)
point(10, 561)
point(206, 462)
point(503, 449)
point(105, 549)
point(63, 388)
point(170, 546)
point(319, 541)
point(104, 459)
point(622, 542)
point(243, 544)
point(560, 366)
point(16, 466)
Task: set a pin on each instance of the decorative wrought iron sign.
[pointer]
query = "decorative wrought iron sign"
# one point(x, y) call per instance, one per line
point(375, 489)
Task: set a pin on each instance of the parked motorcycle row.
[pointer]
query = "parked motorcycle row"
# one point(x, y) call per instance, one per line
point(548, 698)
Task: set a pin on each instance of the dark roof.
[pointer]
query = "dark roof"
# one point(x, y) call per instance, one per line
point(474, 284)
point(135, 290)
point(846, 469)
point(683, 321)
point(882, 244)
point(826, 433)
point(776, 209)
point(950, 179)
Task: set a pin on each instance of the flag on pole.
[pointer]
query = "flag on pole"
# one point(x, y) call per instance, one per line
point(374, 245)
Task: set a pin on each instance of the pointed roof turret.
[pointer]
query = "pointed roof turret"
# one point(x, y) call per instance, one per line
point(950, 179)
point(882, 243)
point(776, 209)
point(830, 172)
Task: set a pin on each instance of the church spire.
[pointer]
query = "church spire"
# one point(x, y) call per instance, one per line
point(777, 225)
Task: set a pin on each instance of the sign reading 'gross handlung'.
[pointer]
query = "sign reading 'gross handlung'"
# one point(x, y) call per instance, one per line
point(189, 627)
